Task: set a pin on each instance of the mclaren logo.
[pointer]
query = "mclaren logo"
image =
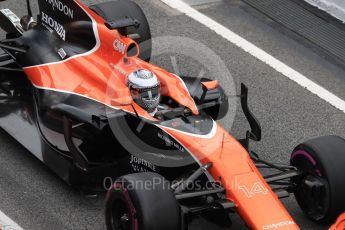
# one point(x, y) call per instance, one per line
point(278, 225)
point(58, 5)
point(52, 24)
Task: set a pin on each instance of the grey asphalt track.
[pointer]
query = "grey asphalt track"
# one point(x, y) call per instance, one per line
point(36, 199)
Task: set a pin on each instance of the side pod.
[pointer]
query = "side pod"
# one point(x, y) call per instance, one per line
point(69, 112)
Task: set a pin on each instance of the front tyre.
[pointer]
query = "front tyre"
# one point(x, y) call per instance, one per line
point(320, 190)
point(142, 201)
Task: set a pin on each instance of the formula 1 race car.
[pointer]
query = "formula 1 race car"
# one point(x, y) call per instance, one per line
point(65, 96)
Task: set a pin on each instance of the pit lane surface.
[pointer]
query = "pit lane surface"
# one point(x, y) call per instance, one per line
point(35, 198)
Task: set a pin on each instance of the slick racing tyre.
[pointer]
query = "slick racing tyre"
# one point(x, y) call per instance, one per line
point(119, 9)
point(142, 201)
point(320, 190)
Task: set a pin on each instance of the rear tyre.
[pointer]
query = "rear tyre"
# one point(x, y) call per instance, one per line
point(118, 9)
point(320, 190)
point(142, 201)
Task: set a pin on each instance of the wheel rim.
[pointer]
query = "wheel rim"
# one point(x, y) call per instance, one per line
point(121, 215)
point(312, 192)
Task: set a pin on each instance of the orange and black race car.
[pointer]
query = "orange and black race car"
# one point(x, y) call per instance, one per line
point(69, 94)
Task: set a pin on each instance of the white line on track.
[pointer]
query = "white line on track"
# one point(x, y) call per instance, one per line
point(258, 53)
point(7, 224)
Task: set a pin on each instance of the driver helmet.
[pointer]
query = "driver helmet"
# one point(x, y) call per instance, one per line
point(145, 89)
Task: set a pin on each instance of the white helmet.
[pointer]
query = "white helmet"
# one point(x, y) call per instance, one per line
point(145, 89)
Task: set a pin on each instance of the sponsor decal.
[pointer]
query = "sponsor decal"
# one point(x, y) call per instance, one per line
point(62, 53)
point(141, 165)
point(10, 15)
point(60, 6)
point(278, 225)
point(169, 142)
point(53, 24)
point(119, 46)
point(256, 189)
point(118, 69)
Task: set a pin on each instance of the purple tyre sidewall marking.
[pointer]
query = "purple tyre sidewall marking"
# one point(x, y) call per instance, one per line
point(127, 197)
point(309, 157)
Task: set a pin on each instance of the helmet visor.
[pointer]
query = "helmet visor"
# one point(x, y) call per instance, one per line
point(148, 94)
